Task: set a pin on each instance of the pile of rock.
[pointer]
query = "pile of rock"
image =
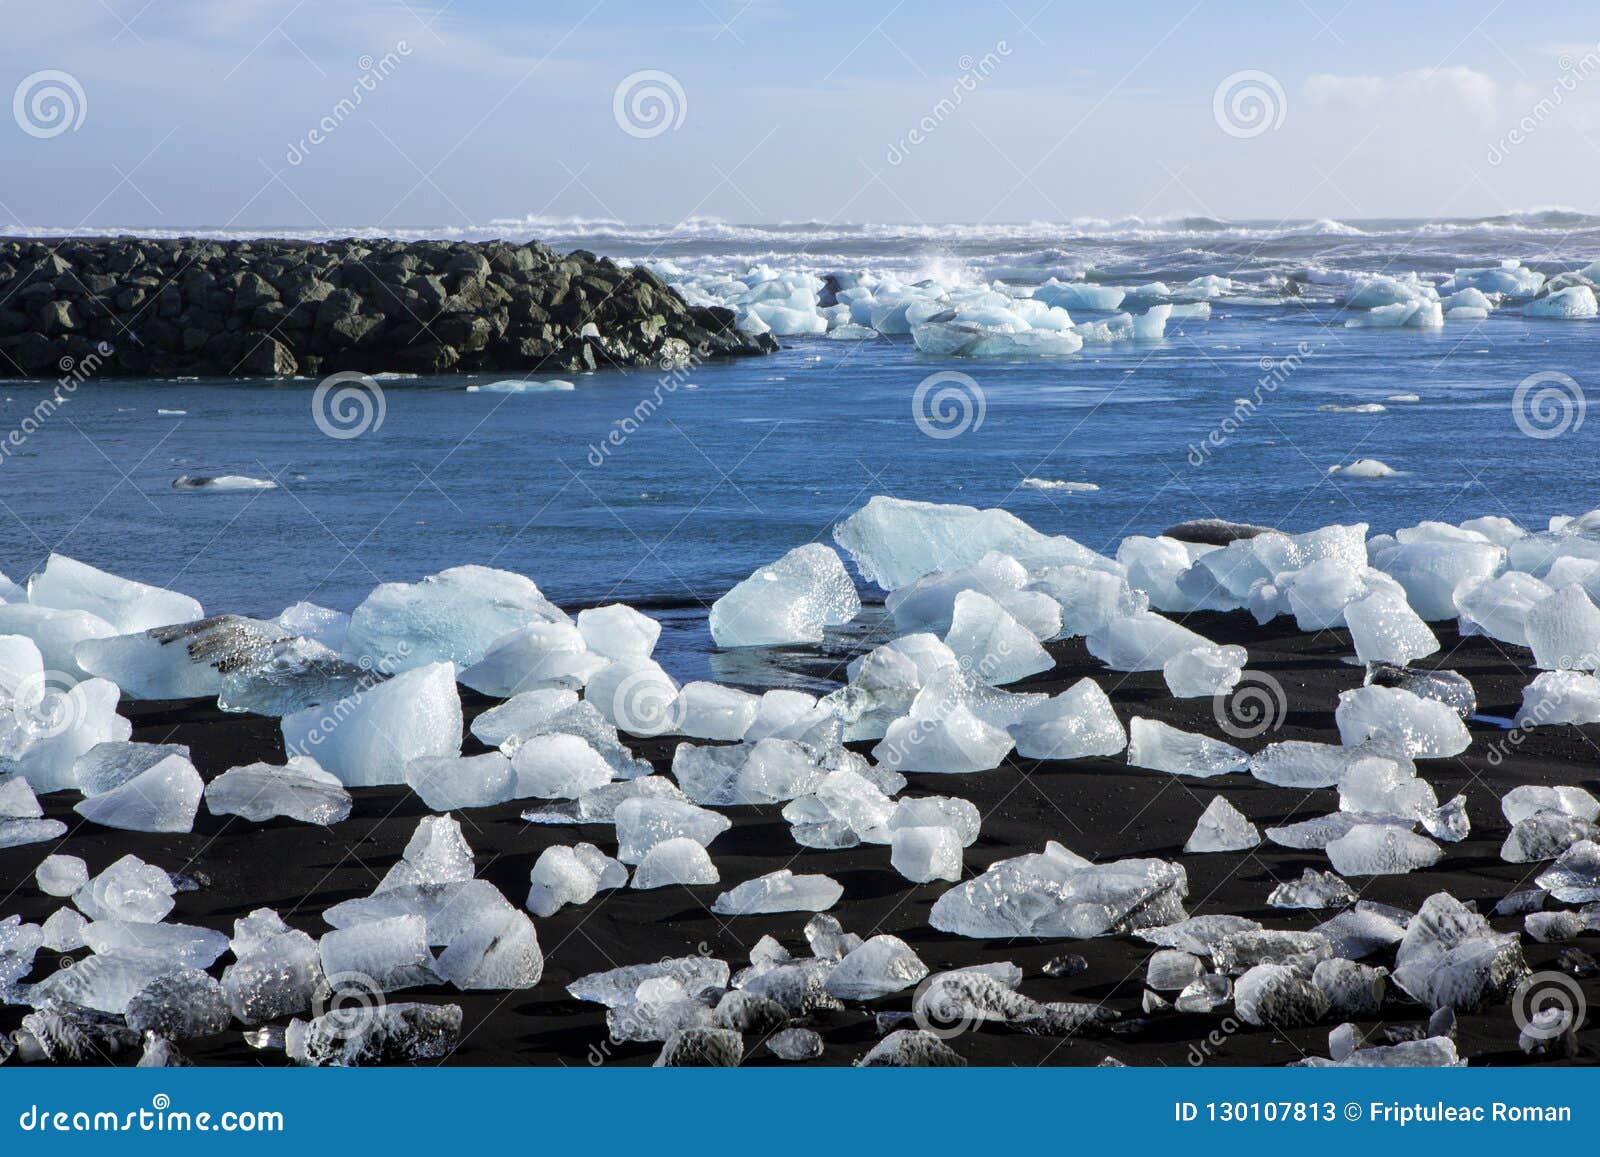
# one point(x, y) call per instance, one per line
point(274, 308)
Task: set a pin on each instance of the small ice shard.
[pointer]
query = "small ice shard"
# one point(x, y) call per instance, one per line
point(299, 790)
point(780, 891)
point(162, 798)
point(617, 631)
point(377, 1035)
point(277, 972)
point(447, 782)
point(572, 875)
point(1297, 763)
point(1207, 994)
point(1172, 970)
point(1222, 828)
point(103, 983)
point(1367, 468)
point(790, 601)
point(1141, 642)
point(389, 954)
point(557, 766)
point(678, 860)
point(1451, 958)
point(1447, 687)
point(367, 740)
point(1575, 877)
point(708, 711)
point(925, 854)
point(1449, 821)
point(532, 658)
point(660, 1008)
point(1381, 850)
point(450, 617)
point(702, 1047)
point(1204, 671)
point(1160, 747)
point(1543, 927)
point(644, 822)
point(176, 943)
point(878, 967)
point(768, 771)
point(1385, 629)
point(1383, 786)
point(1343, 1041)
point(180, 1005)
point(129, 889)
point(1239, 951)
point(1352, 989)
point(68, 585)
point(795, 1044)
point(1363, 930)
point(991, 644)
point(1424, 728)
point(1077, 724)
point(939, 811)
point(61, 875)
point(911, 1048)
point(436, 853)
point(1560, 697)
point(1278, 996)
point(1528, 800)
point(1564, 631)
point(1313, 889)
point(617, 987)
point(63, 930)
point(521, 713)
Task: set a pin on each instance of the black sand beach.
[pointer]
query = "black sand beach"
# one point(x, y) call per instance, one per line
point(1099, 808)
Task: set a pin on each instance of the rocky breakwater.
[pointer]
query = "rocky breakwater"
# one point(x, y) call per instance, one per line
point(274, 308)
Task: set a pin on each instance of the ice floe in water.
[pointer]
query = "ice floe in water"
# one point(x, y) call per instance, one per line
point(222, 482)
point(519, 386)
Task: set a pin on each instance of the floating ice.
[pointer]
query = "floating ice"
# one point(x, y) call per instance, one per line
point(162, 798)
point(780, 891)
point(68, 585)
point(1381, 850)
point(790, 601)
point(678, 860)
point(1574, 302)
point(1160, 747)
point(299, 789)
point(1222, 828)
point(1365, 468)
point(1076, 724)
point(1424, 728)
point(454, 616)
point(367, 740)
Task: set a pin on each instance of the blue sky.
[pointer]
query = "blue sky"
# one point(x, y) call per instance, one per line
point(202, 113)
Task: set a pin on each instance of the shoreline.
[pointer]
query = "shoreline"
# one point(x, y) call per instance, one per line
point(83, 307)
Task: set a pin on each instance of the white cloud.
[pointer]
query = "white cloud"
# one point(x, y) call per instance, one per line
point(1457, 88)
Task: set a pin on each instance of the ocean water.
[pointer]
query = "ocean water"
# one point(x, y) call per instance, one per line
point(732, 465)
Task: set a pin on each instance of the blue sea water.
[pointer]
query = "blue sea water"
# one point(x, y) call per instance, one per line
point(741, 461)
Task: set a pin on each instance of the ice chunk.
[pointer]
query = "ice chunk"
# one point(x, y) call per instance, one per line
point(1447, 687)
point(532, 658)
point(1424, 728)
point(63, 931)
point(390, 954)
point(436, 853)
point(129, 889)
point(1352, 989)
point(362, 1034)
point(110, 765)
point(278, 970)
point(618, 987)
point(1313, 889)
point(1222, 828)
point(1077, 724)
point(558, 766)
point(299, 789)
point(709, 711)
point(937, 811)
point(319, 624)
point(1172, 970)
point(1573, 302)
point(991, 644)
point(1204, 671)
point(162, 798)
point(68, 585)
point(1142, 642)
point(618, 632)
point(446, 783)
point(180, 1005)
point(453, 616)
point(61, 875)
point(1298, 763)
point(678, 860)
point(790, 601)
point(1278, 996)
point(879, 967)
point(186, 660)
point(367, 740)
point(42, 740)
point(293, 675)
point(1376, 785)
point(573, 875)
point(1056, 894)
point(636, 695)
point(1499, 607)
point(56, 634)
point(1451, 958)
point(795, 1044)
point(1564, 631)
point(929, 603)
point(1529, 800)
point(922, 854)
point(521, 713)
point(1363, 930)
point(1385, 629)
point(1381, 850)
point(1430, 572)
point(497, 950)
point(1575, 877)
point(843, 810)
point(953, 740)
point(1160, 747)
point(176, 944)
point(780, 891)
point(103, 983)
point(643, 823)
point(1560, 697)
point(1088, 599)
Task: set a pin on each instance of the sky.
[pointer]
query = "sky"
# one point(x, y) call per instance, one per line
point(389, 115)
